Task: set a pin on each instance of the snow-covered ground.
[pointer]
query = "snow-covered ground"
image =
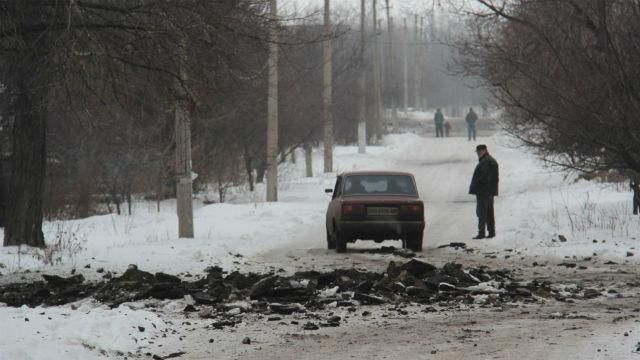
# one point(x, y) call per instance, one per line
point(534, 208)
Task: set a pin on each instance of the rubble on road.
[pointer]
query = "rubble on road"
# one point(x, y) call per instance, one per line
point(402, 252)
point(227, 297)
point(455, 246)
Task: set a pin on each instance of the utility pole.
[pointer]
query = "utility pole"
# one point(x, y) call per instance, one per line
point(392, 83)
point(272, 107)
point(184, 188)
point(327, 90)
point(376, 76)
point(405, 68)
point(416, 65)
point(362, 124)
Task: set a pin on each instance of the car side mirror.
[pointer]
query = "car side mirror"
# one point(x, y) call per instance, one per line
point(328, 191)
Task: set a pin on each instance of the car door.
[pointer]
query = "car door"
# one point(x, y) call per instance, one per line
point(333, 210)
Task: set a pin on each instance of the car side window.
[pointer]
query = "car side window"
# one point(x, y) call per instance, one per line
point(337, 189)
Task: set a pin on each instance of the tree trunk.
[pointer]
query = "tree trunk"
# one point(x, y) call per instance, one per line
point(117, 200)
point(272, 109)
point(308, 159)
point(184, 186)
point(327, 90)
point(114, 196)
point(221, 191)
point(3, 192)
point(28, 164)
point(160, 183)
point(128, 196)
point(362, 97)
point(260, 171)
point(248, 166)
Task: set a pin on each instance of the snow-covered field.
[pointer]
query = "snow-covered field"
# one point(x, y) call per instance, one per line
point(534, 208)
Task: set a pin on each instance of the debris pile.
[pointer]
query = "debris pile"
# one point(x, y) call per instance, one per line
point(414, 281)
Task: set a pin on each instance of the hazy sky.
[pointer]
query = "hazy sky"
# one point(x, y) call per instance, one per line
point(340, 8)
point(396, 5)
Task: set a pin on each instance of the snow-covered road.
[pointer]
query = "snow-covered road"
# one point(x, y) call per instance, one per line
point(442, 168)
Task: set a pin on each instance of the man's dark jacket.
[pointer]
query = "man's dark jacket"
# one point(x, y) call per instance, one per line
point(485, 177)
point(471, 118)
point(438, 118)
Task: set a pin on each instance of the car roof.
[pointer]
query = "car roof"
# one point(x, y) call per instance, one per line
point(375, 172)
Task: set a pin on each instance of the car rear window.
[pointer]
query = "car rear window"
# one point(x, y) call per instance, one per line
point(379, 185)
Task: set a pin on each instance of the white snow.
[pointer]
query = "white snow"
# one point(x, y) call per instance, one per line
point(77, 331)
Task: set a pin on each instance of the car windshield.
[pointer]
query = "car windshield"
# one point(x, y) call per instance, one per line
point(379, 185)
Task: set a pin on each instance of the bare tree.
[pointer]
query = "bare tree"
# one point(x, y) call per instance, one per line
point(184, 186)
point(103, 48)
point(565, 73)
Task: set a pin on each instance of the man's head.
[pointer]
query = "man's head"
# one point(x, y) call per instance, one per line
point(481, 150)
point(470, 109)
point(438, 110)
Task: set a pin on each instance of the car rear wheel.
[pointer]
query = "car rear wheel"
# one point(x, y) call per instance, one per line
point(413, 241)
point(339, 241)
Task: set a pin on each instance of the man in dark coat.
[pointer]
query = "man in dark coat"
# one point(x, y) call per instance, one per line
point(438, 119)
point(471, 124)
point(484, 185)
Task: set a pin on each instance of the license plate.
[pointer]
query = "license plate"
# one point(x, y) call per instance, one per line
point(382, 211)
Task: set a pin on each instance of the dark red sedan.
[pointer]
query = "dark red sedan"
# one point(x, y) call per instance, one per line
point(375, 205)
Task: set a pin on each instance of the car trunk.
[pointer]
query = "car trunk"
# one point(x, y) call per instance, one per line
point(384, 207)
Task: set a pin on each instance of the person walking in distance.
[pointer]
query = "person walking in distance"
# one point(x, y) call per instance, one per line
point(484, 185)
point(438, 119)
point(471, 119)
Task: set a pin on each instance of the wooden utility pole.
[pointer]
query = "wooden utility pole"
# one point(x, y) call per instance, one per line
point(405, 68)
point(392, 83)
point(416, 64)
point(184, 188)
point(376, 76)
point(426, 39)
point(272, 108)
point(362, 96)
point(327, 90)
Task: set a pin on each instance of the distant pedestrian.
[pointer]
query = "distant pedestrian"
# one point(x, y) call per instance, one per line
point(484, 185)
point(447, 128)
point(485, 109)
point(635, 187)
point(471, 119)
point(438, 119)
